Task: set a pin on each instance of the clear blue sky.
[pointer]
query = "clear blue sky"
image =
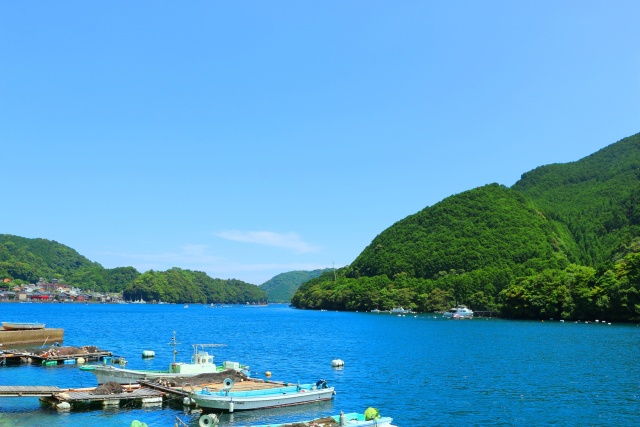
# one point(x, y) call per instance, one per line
point(246, 139)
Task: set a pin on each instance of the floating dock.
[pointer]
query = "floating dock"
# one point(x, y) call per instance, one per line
point(49, 359)
point(31, 336)
point(85, 396)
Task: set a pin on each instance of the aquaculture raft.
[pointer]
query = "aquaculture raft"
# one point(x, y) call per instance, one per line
point(85, 396)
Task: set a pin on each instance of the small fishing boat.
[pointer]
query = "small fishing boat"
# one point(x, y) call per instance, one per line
point(459, 312)
point(400, 310)
point(353, 419)
point(230, 401)
point(22, 326)
point(201, 363)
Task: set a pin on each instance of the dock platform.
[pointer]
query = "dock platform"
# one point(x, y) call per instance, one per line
point(28, 391)
point(33, 336)
point(50, 359)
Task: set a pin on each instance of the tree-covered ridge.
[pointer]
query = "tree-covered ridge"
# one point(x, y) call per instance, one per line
point(597, 197)
point(281, 288)
point(27, 260)
point(185, 286)
point(490, 225)
point(560, 243)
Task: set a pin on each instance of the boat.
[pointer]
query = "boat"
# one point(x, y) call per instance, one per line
point(22, 326)
point(286, 395)
point(353, 419)
point(400, 310)
point(459, 312)
point(201, 363)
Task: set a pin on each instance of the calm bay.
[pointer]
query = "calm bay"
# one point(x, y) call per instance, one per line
point(422, 370)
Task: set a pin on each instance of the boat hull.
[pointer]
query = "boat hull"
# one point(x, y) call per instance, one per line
point(351, 420)
point(16, 326)
point(243, 403)
point(106, 374)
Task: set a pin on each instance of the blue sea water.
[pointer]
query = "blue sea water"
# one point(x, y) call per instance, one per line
point(421, 370)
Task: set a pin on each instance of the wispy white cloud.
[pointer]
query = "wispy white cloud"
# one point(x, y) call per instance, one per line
point(195, 257)
point(269, 238)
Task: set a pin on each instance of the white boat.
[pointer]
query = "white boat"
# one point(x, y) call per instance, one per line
point(459, 312)
point(400, 310)
point(201, 363)
point(22, 326)
point(230, 401)
point(353, 419)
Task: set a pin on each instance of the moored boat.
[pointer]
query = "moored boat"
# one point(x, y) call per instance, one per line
point(353, 419)
point(22, 326)
point(201, 363)
point(230, 401)
point(400, 310)
point(459, 312)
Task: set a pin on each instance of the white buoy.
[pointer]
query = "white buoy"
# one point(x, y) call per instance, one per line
point(80, 360)
point(148, 353)
point(231, 405)
point(268, 373)
point(63, 406)
point(208, 420)
point(336, 363)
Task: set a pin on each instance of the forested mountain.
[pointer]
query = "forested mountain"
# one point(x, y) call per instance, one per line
point(27, 260)
point(180, 286)
point(562, 242)
point(281, 288)
point(598, 198)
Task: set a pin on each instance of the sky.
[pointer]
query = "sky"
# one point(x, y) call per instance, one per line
point(248, 139)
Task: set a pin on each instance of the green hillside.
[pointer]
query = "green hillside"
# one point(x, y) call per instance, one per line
point(597, 197)
point(27, 260)
point(562, 242)
point(180, 286)
point(281, 288)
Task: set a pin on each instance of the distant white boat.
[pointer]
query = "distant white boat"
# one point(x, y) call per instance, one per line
point(459, 312)
point(400, 310)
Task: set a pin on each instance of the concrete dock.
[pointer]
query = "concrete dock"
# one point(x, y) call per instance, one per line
point(32, 336)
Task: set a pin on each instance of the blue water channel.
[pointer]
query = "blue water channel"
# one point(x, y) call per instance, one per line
point(422, 370)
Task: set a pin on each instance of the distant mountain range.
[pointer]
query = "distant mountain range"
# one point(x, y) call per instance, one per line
point(562, 242)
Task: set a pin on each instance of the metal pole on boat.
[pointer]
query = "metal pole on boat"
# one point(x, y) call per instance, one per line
point(174, 343)
point(343, 420)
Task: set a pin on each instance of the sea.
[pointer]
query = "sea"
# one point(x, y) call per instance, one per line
point(420, 369)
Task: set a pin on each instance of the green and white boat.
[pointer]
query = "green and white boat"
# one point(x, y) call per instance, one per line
point(202, 362)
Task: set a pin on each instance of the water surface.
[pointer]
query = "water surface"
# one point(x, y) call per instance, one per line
point(421, 370)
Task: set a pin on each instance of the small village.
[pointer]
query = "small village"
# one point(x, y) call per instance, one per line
point(52, 291)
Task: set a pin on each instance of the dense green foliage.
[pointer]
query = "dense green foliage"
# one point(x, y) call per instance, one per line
point(281, 288)
point(27, 260)
point(180, 286)
point(559, 243)
point(598, 198)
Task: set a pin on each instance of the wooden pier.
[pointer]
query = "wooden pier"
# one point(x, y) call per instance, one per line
point(28, 391)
